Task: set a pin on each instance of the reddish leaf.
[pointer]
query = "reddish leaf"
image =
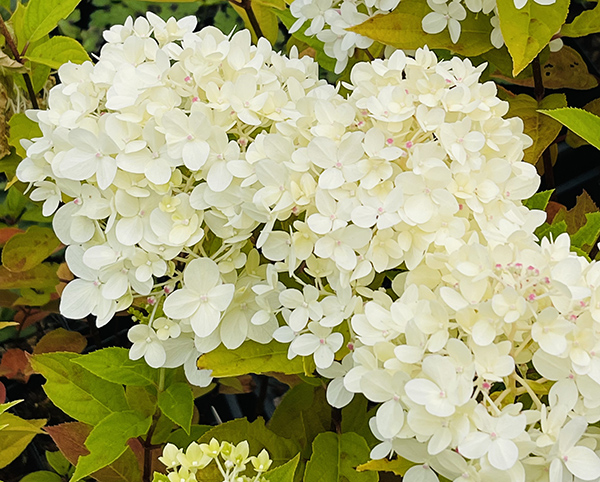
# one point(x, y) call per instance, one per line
point(61, 340)
point(552, 209)
point(2, 393)
point(15, 365)
point(7, 233)
point(70, 440)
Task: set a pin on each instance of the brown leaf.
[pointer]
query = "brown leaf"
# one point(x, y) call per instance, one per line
point(15, 365)
point(552, 209)
point(564, 69)
point(575, 217)
point(2, 393)
point(27, 316)
point(236, 385)
point(290, 380)
point(61, 340)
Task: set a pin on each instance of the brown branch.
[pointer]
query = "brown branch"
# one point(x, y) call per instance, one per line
point(247, 6)
point(539, 92)
point(15, 51)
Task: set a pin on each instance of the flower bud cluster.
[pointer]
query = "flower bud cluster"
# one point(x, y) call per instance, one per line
point(232, 461)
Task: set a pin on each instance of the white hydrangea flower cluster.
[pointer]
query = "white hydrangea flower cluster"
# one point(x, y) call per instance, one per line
point(329, 20)
point(244, 199)
point(230, 459)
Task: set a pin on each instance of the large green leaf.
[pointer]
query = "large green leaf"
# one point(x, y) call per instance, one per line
point(22, 127)
point(177, 403)
point(335, 457)
point(528, 30)
point(181, 439)
point(42, 16)
point(57, 51)
point(258, 436)
point(16, 435)
point(581, 122)
point(302, 415)
point(251, 357)
point(108, 441)
point(25, 251)
point(76, 391)
point(402, 29)
point(539, 200)
point(586, 23)
point(38, 278)
point(113, 364)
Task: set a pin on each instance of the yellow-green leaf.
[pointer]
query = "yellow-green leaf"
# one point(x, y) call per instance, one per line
point(402, 29)
point(108, 441)
point(540, 128)
point(22, 127)
point(586, 23)
point(177, 403)
point(528, 30)
point(42, 16)
point(39, 278)
point(6, 324)
point(57, 51)
point(77, 392)
point(581, 122)
point(26, 250)
point(251, 357)
point(267, 21)
point(573, 139)
point(16, 435)
point(398, 466)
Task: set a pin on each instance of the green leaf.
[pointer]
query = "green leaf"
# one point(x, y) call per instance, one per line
point(58, 462)
point(335, 457)
point(6, 406)
point(581, 122)
point(285, 472)
point(356, 416)
point(158, 477)
point(258, 436)
point(76, 391)
point(528, 30)
point(16, 435)
point(302, 415)
point(586, 236)
point(586, 23)
point(177, 403)
point(108, 441)
point(574, 140)
point(251, 357)
point(27, 250)
point(42, 476)
point(57, 51)
point(181, 439)
point(22, 127)
point(402, 29)
point(542, 130)
point(551, 231)
point(322, 58)
point(42, 16)
point(113, 364)
point(539, 200)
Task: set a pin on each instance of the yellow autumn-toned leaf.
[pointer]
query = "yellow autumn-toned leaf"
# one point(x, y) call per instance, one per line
point(402, 29)
point(267, 21)
point(563, 69)
point(6, 324)
point(398, 466)
point(16, 435)
point(528, 30)
point(586, 23)
point(536, 125)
